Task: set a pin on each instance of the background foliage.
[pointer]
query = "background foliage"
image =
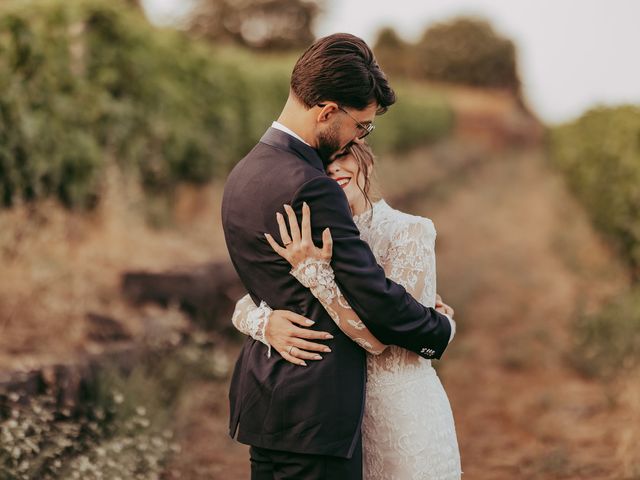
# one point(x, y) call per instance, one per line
point(464, 50)
point(257, 24)
point(91, 82)
point(599, 154)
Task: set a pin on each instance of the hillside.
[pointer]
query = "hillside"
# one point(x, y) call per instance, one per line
point(517, 259)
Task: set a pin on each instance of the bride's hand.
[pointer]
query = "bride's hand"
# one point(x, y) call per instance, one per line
point(299, 245)
point(289, 334)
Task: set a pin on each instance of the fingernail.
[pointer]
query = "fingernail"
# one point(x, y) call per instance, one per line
point(305, 204)
point(317, 357)
point(304, 364)
point(328, 335)
point(309, 322)
point(327, 349)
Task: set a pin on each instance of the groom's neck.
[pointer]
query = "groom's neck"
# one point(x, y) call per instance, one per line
point(297, 118)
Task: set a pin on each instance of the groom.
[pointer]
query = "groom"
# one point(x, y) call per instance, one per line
point(304, 422)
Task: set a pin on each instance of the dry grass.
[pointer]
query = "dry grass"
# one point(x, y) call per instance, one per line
point(517, 258)
point(522, 411)
point(57, 265)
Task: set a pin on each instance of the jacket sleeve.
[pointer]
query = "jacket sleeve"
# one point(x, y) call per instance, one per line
point(389, 312)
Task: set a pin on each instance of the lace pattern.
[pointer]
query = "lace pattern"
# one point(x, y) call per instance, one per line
point(317, 275)
point(408, 427)
point(252, 320)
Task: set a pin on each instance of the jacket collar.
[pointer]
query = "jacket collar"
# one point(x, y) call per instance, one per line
point(279, 139)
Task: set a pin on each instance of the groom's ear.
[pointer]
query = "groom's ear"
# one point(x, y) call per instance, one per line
point(327, 109)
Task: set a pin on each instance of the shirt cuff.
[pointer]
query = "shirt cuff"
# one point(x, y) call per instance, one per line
point(452, 322)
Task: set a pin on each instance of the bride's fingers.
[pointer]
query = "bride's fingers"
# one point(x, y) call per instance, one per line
point(293, 223)
point(306, 224)
point(282, 226)
point(327, 243)
point(291, 359)
point(303, 354)
point(278, 249)
point(301, 344)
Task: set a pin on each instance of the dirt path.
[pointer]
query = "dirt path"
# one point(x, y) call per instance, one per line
point(516, 257)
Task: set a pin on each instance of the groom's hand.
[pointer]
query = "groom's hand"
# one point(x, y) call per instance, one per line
point(443, 308)
point(293, 342)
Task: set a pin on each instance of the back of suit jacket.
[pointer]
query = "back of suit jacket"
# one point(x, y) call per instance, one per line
point(315, 409)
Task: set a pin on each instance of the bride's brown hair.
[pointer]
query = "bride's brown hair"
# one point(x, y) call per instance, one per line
point(365, 159)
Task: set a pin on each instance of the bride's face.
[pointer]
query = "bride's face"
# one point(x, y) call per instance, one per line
point(344, 169)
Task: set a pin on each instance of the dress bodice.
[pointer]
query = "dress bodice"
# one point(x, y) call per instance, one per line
point(403, 245)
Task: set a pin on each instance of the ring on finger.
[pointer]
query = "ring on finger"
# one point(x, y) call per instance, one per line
point(290, 348)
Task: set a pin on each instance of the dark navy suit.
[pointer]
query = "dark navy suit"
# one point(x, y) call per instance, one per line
point(316, 409)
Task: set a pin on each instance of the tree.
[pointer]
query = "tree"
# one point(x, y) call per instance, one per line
point(393, 54)
point(258, 24)
point(468, 51)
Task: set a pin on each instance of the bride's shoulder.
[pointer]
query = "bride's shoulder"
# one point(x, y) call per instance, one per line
point(411, 224)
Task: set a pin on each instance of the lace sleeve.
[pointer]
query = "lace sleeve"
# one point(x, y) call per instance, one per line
point(252, 320)
point(317, 275)
point(411, 262)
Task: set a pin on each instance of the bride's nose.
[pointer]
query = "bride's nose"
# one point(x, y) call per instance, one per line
point(333, 167)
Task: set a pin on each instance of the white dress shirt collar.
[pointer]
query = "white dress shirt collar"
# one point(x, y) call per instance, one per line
point(277, 125)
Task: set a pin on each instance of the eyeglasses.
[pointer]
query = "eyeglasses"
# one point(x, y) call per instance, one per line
point(366, 129)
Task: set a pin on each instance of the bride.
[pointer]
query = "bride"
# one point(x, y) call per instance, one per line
point(408, 428)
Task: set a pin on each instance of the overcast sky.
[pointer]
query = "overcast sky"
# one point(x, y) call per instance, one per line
point(573, 54)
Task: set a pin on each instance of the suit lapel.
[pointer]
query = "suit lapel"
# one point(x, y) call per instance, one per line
point(279, 139)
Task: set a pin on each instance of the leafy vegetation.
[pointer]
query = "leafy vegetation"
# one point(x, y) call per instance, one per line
point(608, 343)
point(464, 50)
point(599, 154)
point(121, 429)
point(91, 82)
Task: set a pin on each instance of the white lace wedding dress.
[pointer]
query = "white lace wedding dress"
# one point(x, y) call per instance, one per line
point(408, 427)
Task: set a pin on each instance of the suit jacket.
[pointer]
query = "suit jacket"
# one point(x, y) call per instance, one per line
point(315, 409)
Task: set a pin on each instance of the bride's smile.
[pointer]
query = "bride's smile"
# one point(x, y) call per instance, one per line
point(344, 168)
point(343, 181)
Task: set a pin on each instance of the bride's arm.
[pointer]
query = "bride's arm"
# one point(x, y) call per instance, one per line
point(314, 272)
point(317, 275)
point(279, 328)
point(252, 320)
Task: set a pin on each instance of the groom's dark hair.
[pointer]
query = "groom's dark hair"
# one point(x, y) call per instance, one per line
point(341, 68)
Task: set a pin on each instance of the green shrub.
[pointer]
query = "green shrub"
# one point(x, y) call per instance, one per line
point(418, 118)
point(468, 51)
point(608, 342)
point(121, 426)
point(90, 82)
point(600, 156)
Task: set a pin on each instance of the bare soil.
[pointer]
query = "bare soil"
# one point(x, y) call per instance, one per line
point(517, 258)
